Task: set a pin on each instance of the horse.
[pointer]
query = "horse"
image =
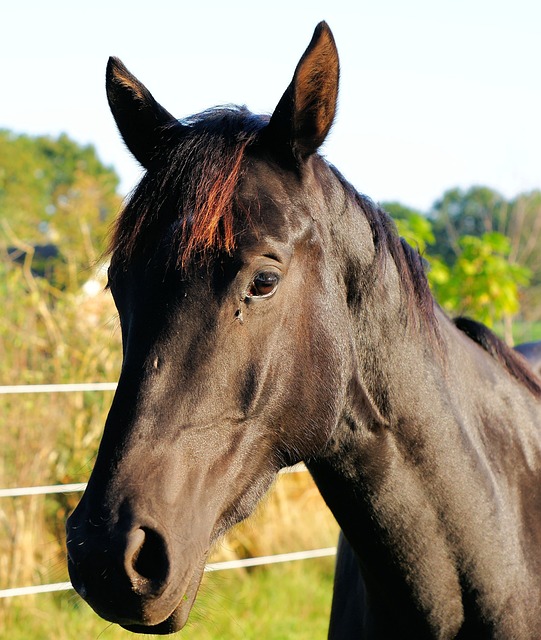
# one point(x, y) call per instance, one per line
point(270, 314)
point(532, 352)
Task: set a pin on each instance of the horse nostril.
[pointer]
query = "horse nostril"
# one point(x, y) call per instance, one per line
point(146, 560)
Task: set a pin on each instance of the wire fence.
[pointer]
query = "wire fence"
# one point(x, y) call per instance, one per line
point(58, 388)
point(15, 492)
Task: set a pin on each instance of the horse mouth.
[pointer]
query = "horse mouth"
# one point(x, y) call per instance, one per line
point(162, 614)
point(175, 620)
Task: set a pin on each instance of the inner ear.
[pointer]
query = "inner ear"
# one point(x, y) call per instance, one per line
point(305, 113)
point(316, 90)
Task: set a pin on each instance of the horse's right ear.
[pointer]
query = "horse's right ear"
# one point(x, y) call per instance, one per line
point(139, 118)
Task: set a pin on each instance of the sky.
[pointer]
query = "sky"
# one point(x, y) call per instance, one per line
point(434, 94)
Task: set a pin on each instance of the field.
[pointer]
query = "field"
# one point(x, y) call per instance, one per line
point(282, 602)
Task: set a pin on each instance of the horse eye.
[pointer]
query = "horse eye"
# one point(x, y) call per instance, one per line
point(263, 285)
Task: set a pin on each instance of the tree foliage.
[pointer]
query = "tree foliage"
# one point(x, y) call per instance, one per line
point(479, 211)
point(476, 275)
point(481, 282)
point(464, 213)
point(55, 191)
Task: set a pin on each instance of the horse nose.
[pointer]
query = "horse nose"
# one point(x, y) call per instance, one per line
point(146, 561)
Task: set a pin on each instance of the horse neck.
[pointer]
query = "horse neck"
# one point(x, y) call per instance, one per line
point(406, 472)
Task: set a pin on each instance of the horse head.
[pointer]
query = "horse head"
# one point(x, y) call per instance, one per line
point(217, 262)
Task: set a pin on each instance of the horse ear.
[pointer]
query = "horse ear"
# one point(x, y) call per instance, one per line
point(305, 114)
point(139, 118)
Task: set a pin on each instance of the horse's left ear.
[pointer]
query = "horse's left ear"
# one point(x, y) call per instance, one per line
point(301, 121)
point(140, 119)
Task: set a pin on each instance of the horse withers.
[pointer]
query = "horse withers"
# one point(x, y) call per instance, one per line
point(270, 314)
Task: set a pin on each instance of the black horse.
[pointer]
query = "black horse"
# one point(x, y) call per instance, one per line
point(270, 314)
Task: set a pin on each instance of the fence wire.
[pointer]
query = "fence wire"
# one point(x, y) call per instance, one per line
point(216, 566)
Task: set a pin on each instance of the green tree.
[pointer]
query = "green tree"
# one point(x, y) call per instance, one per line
point(481, 280)
point(480, 210)
point(465, 213)
point(55, 191)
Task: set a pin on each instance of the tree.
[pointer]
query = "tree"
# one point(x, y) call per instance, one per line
point(458, 213)
point(481, 280)
point(479, 211)
point(55, 191)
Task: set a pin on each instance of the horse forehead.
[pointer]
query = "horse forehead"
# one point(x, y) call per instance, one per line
point(284, 184)
point(279, 200)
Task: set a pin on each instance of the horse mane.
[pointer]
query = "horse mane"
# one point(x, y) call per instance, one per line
point(507, 357)
point(412, 273)
point(190, 186)
point(419, 303)
point(411, 269)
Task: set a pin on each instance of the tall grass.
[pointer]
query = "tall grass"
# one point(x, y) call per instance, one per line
point(47, 336)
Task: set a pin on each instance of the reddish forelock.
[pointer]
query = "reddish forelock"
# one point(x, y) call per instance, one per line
point(191, 189)
point(211, 226)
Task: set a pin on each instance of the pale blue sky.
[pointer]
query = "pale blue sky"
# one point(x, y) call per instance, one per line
point(434, 94)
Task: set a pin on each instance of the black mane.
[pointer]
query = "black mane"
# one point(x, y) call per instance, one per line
point(418, 298)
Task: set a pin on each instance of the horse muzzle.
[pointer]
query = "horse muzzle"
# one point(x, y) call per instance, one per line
point(131, 576)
